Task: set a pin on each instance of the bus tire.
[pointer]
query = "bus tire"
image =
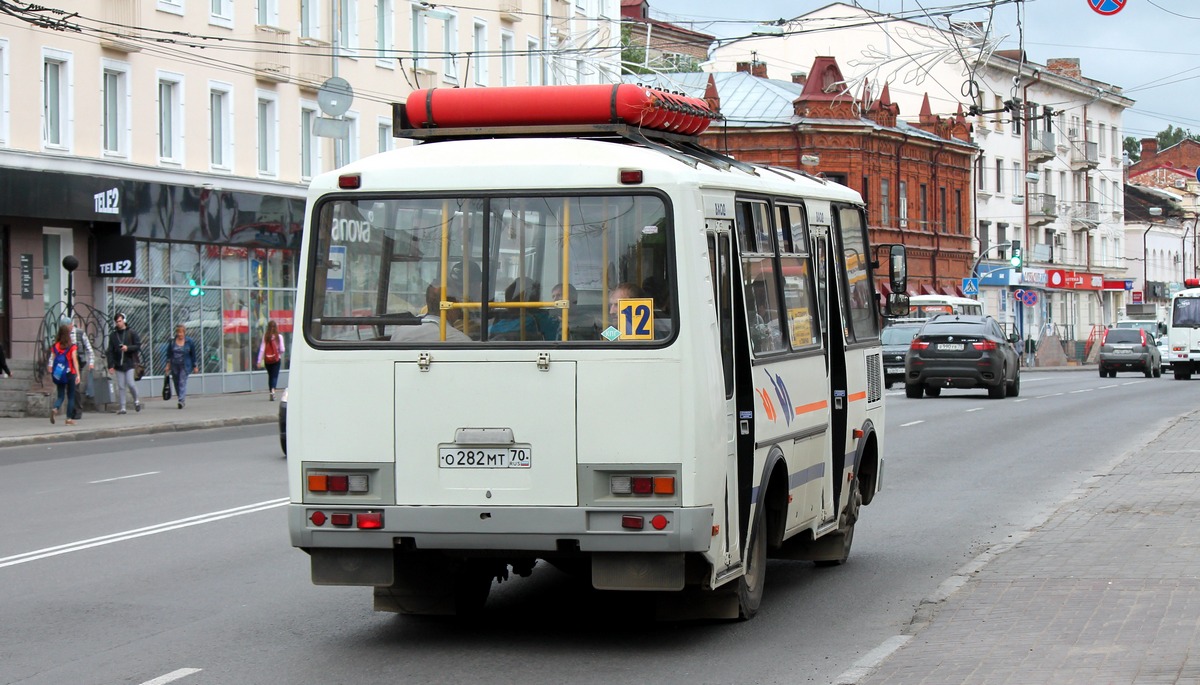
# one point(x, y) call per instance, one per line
point(843, 539)
point(750, 585)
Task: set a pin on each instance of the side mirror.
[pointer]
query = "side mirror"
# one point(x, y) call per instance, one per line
point(898, 269)
point(897, 304)
point(1014, 338)
point(1162, 328)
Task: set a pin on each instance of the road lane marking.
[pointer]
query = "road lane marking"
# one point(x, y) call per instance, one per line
point(911, 423)
point(172, 676)
point(975, 409)
point(136, 475)
point(140, 532)
point(1133, 382)
point(1023, 399)
point(1106, 387)
point(1076, 392)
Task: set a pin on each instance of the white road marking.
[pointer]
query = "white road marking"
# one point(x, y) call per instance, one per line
point(136, 475)
point(1076, 392)
point(172, 676)
point(975, 409)
point(911, 423)
point(1106, 387)
point(1023, 399)
point(1134, 382)
point(140, 532)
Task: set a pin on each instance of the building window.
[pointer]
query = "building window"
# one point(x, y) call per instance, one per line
point(348, 146)
point(943, 227)
point(999, 176)
point(479, 46)
point(385, 19)
point(985, 235)
point(170, 6)
point(998, 120)
point(420, 39)
point(535, 63)
point(310, 19)
point(980, 181)
point(902, 204)
point(508, 60)
point(1101, 140)
point(220, 126)
point(1001, 239)
point(56, 99)
point(1018, 180)
point(1017, 113)
point(268, 13)
point(268, 134)
point(923, 204)
point(386, 141)
point(115, 109)
point(310, 151)
point(958, 217)
point(450, 46)
point(347, 28)
point(220, 13)
point(170, 118)
point(885, 211)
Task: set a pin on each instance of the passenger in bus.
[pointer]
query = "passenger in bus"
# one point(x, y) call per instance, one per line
point(765, 334)
point(519, 323)
point(429, 328)
point(555, 322)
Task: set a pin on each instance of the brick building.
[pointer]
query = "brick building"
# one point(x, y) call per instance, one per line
point(915, 177)
point(667, 47)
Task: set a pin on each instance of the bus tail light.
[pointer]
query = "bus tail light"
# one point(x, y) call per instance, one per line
point(641, 485)
point(631, 177)
point(370, 520)
point(339, 483)
point(632, 522)
point(350, 182)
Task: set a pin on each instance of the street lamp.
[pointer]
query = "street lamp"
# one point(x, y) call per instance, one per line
point(1153, 211)
point(70, 263)
point(1187, 227)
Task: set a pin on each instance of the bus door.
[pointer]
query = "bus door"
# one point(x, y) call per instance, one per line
point(720, 265)
point(833, 338)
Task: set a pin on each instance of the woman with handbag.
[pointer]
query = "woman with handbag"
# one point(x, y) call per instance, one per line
point(270, 356)
point(122, 355)
point(182, 360)
point(63, 366)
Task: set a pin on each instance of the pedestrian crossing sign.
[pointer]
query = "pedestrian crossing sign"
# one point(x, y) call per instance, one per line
point(970, 286)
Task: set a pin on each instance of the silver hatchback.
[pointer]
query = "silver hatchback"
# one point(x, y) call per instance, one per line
point(1129, 349)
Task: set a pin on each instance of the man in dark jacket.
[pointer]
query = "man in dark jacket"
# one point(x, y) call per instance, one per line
point(123, 347)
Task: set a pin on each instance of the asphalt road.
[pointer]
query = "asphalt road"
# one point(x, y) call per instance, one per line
point(165, 558)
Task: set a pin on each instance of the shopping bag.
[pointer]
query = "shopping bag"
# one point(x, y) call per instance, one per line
point(166, 387)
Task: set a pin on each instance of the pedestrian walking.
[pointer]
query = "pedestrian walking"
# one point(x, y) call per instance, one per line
point(85, 353)
point(270, 356)
point(63, 366)
point(182, 361)
point(4, 364)
point(124, 346)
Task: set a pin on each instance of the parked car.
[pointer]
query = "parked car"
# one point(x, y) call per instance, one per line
point(1163, 348)
point(283, 421)
point(962, 351)
point(1129, 349)
point(896, 338)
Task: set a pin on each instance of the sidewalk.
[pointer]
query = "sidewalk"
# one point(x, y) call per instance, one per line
point(1105, 591)
point(157, 416)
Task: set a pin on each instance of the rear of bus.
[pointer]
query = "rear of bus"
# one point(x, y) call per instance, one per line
point(1183, 332)
point(491, 372)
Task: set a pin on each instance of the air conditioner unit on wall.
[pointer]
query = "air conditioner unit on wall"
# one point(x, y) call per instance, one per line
point(1059, 240)
point(1180, 183)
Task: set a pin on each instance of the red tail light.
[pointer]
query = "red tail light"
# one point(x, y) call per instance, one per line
point(1104, 338)
point(919, 345)
point(1143, 332)
point(985, 345)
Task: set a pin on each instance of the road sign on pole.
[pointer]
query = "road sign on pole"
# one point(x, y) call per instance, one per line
point(970, 287)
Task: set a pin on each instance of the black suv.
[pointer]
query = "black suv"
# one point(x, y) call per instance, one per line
point(962, 351)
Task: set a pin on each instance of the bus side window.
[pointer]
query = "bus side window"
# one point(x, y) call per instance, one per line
point(761, 291)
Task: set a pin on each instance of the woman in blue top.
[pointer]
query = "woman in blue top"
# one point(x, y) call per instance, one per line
point(181, 361)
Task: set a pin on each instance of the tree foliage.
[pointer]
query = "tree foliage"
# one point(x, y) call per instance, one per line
point(1171, 135)
point(637, 59)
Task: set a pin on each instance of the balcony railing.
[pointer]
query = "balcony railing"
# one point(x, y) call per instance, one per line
point(1085, 213)
point(121, 16)
point(272, 61)
point(314, 65)
point(1041, 146)
point(1043, 208)
point(1084, 153)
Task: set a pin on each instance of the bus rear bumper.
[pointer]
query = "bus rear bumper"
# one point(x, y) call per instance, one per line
point(526, 529)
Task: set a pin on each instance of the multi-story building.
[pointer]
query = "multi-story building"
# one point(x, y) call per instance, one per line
point(1055, 188)
point(167, 144)
point(1169, 255)
point(915, 178)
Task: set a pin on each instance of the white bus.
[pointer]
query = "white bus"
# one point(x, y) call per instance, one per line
point(606, 349)
point(921, 307)
point(1183, 331)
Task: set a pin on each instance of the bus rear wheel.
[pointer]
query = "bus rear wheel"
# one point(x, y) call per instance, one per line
point(750, 585)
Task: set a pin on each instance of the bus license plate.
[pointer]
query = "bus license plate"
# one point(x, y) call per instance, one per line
point(483, 457)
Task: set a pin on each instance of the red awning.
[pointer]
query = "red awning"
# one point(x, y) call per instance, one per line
point(928, 290)
point(949, 290)
point(885, 288)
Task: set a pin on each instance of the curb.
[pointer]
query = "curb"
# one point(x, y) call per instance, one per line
point(101, 433)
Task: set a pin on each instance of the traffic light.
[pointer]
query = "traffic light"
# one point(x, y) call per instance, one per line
point(1017, 260)
point(196, 289)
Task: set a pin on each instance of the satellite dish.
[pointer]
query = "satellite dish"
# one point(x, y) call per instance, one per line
point(335, 96)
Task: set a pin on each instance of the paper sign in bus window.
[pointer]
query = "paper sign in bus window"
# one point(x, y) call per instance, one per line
point(635, 319)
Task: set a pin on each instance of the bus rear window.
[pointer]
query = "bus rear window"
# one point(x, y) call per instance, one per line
point(503, 270)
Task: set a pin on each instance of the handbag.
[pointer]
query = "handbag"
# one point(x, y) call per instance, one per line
point(166, 394)
point(139, 370)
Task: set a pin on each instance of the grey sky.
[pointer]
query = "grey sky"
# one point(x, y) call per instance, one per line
point(1151, 48)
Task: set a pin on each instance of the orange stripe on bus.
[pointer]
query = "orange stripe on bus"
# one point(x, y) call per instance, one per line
point(858, 396)
point(812, 406)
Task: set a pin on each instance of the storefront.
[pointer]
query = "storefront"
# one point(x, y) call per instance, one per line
point(220, 262)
